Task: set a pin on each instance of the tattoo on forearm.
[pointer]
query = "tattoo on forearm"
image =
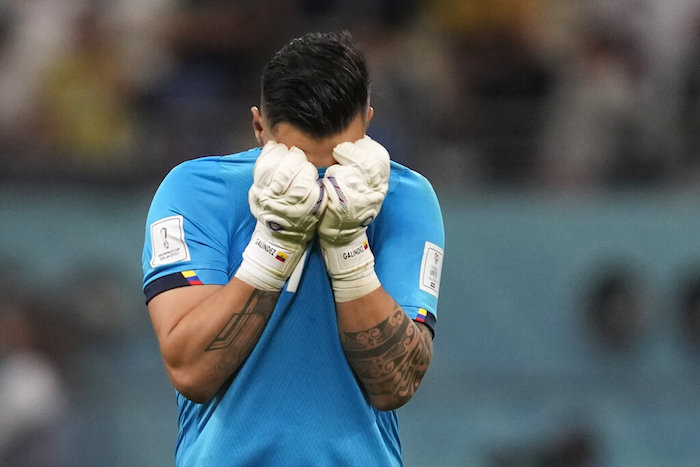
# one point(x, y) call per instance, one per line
point(390, 358)
point(247, 323)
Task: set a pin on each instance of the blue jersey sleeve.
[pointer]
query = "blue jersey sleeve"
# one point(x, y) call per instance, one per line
point(408, 241)
point(188, 227)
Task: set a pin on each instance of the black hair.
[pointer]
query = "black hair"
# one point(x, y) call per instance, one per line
point(318, 83)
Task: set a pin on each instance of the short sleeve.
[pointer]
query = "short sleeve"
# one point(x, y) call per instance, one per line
point(408, 242)
point(188, 228)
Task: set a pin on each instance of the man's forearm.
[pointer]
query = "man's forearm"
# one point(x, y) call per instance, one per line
point(212, 339)
point(234, 342)
point(390, 358)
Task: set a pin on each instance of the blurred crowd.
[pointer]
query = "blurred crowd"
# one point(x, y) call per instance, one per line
point(58, 368)
point(543, 93)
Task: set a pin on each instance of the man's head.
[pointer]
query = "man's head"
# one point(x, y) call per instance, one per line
point(318, 86)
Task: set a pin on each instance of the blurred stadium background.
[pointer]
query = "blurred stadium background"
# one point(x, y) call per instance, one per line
point(561, 137)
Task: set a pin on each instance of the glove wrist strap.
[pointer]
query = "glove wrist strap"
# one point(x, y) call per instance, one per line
point(351, 268)
point(267, 261)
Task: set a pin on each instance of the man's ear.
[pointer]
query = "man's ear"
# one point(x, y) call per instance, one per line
point(368, 116)
point(258, 129)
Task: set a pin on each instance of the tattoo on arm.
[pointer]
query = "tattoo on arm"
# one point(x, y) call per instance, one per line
point(243, 329)
point(392, 357)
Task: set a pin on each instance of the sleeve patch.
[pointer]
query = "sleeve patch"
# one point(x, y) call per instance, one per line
point(168, 241)
point(431, 268)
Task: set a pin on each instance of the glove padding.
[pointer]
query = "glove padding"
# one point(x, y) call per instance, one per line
point(356, 189)
point(286, 195)
point(287, 199)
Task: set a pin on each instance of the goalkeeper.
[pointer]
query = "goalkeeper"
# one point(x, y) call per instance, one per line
point(293, 287)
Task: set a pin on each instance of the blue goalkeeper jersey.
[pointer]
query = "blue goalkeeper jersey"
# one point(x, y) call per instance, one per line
point(295, 401)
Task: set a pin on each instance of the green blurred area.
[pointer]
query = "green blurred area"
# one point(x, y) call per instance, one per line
point(520, 369)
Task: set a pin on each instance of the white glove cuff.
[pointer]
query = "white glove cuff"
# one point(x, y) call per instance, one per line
point(350, 289)
point(351, 268)
point(268, 262)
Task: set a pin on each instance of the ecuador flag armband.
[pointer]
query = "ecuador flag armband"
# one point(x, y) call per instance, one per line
point(427, 318)
point(171, 281)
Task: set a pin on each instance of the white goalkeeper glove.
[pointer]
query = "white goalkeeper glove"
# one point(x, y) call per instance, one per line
point(287, 199)
point(356, 188)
